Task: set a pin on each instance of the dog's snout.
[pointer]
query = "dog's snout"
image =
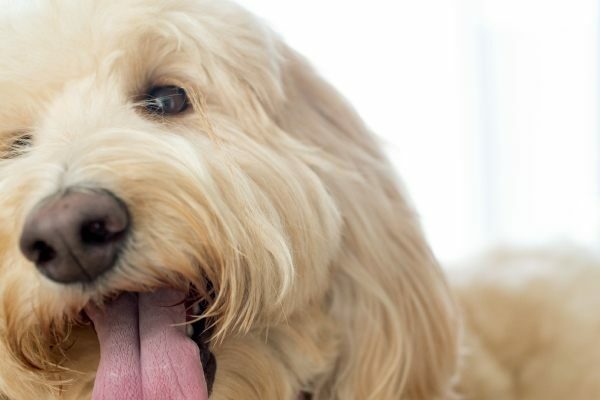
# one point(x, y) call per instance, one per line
point(76, 237)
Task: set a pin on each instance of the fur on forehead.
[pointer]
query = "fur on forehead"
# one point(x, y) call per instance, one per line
point(217, 47)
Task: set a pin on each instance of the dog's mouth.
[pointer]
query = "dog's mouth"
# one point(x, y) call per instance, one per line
point(147, 350)
point(199, 330)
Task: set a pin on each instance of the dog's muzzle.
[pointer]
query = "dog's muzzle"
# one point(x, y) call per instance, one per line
point(76, 237)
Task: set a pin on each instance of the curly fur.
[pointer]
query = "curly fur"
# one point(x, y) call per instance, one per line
point(272, 189)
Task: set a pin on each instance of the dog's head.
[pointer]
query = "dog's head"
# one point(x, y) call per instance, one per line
point(180, 147)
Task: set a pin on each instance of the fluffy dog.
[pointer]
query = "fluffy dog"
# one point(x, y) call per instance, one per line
point(187, 210)
point(172, 162)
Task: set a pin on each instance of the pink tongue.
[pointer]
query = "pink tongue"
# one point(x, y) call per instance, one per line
point(142, 355)
point(118, 375)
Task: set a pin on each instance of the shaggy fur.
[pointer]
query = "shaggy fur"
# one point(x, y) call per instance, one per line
point(533, 325)
point(271, 189)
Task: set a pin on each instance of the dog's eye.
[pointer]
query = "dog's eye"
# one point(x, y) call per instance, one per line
point(22, 141)
point(166, 100)
point(16, 146)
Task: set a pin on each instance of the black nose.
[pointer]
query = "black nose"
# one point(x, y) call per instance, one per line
point(76, 237)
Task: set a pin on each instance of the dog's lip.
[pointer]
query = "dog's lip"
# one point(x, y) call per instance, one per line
point(201, 334)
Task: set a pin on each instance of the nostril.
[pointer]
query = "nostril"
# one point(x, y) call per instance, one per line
point(99, 232)
point(95, 232)
point(43, 253)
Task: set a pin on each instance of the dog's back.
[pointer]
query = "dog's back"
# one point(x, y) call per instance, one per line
point(532, 326)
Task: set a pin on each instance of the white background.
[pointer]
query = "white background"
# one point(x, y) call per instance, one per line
point(487, 107)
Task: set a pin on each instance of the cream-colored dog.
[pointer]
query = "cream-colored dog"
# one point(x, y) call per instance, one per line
point(179, 144)
point(187, 210)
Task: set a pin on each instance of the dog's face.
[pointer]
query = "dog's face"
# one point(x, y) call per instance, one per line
point(173, 147)
point(160, 106)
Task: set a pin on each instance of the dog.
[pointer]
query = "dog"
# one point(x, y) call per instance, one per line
point(189, 210)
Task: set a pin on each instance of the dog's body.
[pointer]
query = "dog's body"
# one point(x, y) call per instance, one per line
point(264, 196)
point(532, 325)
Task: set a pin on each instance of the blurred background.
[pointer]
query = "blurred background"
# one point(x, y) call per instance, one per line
point(489, 108)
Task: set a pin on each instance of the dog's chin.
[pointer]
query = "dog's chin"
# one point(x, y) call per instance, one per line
point(156, 332)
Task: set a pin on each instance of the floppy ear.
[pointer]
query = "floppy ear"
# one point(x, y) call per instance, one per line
point(398, 325)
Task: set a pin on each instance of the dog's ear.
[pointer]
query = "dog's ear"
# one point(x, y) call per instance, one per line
point(397, 320)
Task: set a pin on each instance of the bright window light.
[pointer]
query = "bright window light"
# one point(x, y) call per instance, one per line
point(489, 108)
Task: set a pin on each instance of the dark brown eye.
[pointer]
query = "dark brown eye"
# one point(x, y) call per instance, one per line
point(166, 100)
point(16, 146)
point(21, 142)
